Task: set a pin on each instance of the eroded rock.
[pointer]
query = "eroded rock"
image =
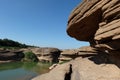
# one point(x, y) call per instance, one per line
point(11, 55)
point(46, 54)
point(70, 54)
point(83, 69)
point(85, 19)
point(98, 22)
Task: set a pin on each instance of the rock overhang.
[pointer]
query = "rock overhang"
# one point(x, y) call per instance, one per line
point(85, 18)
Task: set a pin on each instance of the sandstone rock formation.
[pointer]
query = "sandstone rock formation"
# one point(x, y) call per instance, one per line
point(98, 22)
point(71, 54)
point(11, 55)
point(43, 54)
point(90, 15)
point(83, 69)
point(46, 54)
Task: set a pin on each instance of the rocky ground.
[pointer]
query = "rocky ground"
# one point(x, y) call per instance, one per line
point(82, 69)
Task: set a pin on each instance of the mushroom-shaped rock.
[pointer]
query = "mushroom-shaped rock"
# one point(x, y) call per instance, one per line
point(84, 20)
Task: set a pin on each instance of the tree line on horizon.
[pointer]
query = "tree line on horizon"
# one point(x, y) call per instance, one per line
point(11, 43)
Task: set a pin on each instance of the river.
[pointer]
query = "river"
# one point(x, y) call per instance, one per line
point(22, 70)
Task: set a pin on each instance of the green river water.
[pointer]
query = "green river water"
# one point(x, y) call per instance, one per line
point(22, 70)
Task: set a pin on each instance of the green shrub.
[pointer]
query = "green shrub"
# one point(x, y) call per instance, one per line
point(30, 56)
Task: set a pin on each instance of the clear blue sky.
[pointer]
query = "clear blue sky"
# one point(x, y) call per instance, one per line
point(38, 22)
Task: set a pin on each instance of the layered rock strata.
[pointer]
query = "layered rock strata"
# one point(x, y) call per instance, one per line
point(45, 54)
point(71, 54)
point(97, 22)
point(11, 55)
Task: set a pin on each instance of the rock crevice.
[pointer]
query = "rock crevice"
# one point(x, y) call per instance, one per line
point(68, 74)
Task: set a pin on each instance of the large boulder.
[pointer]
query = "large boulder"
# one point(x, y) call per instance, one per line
point(46, 54)
point(11, 55)
point(98, 22)
point(84, 20)
point(95, 15)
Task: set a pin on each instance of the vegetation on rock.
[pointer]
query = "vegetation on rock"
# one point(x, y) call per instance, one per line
point(30, 57)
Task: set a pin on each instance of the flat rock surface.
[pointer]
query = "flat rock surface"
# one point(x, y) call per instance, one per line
point(83, 69)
